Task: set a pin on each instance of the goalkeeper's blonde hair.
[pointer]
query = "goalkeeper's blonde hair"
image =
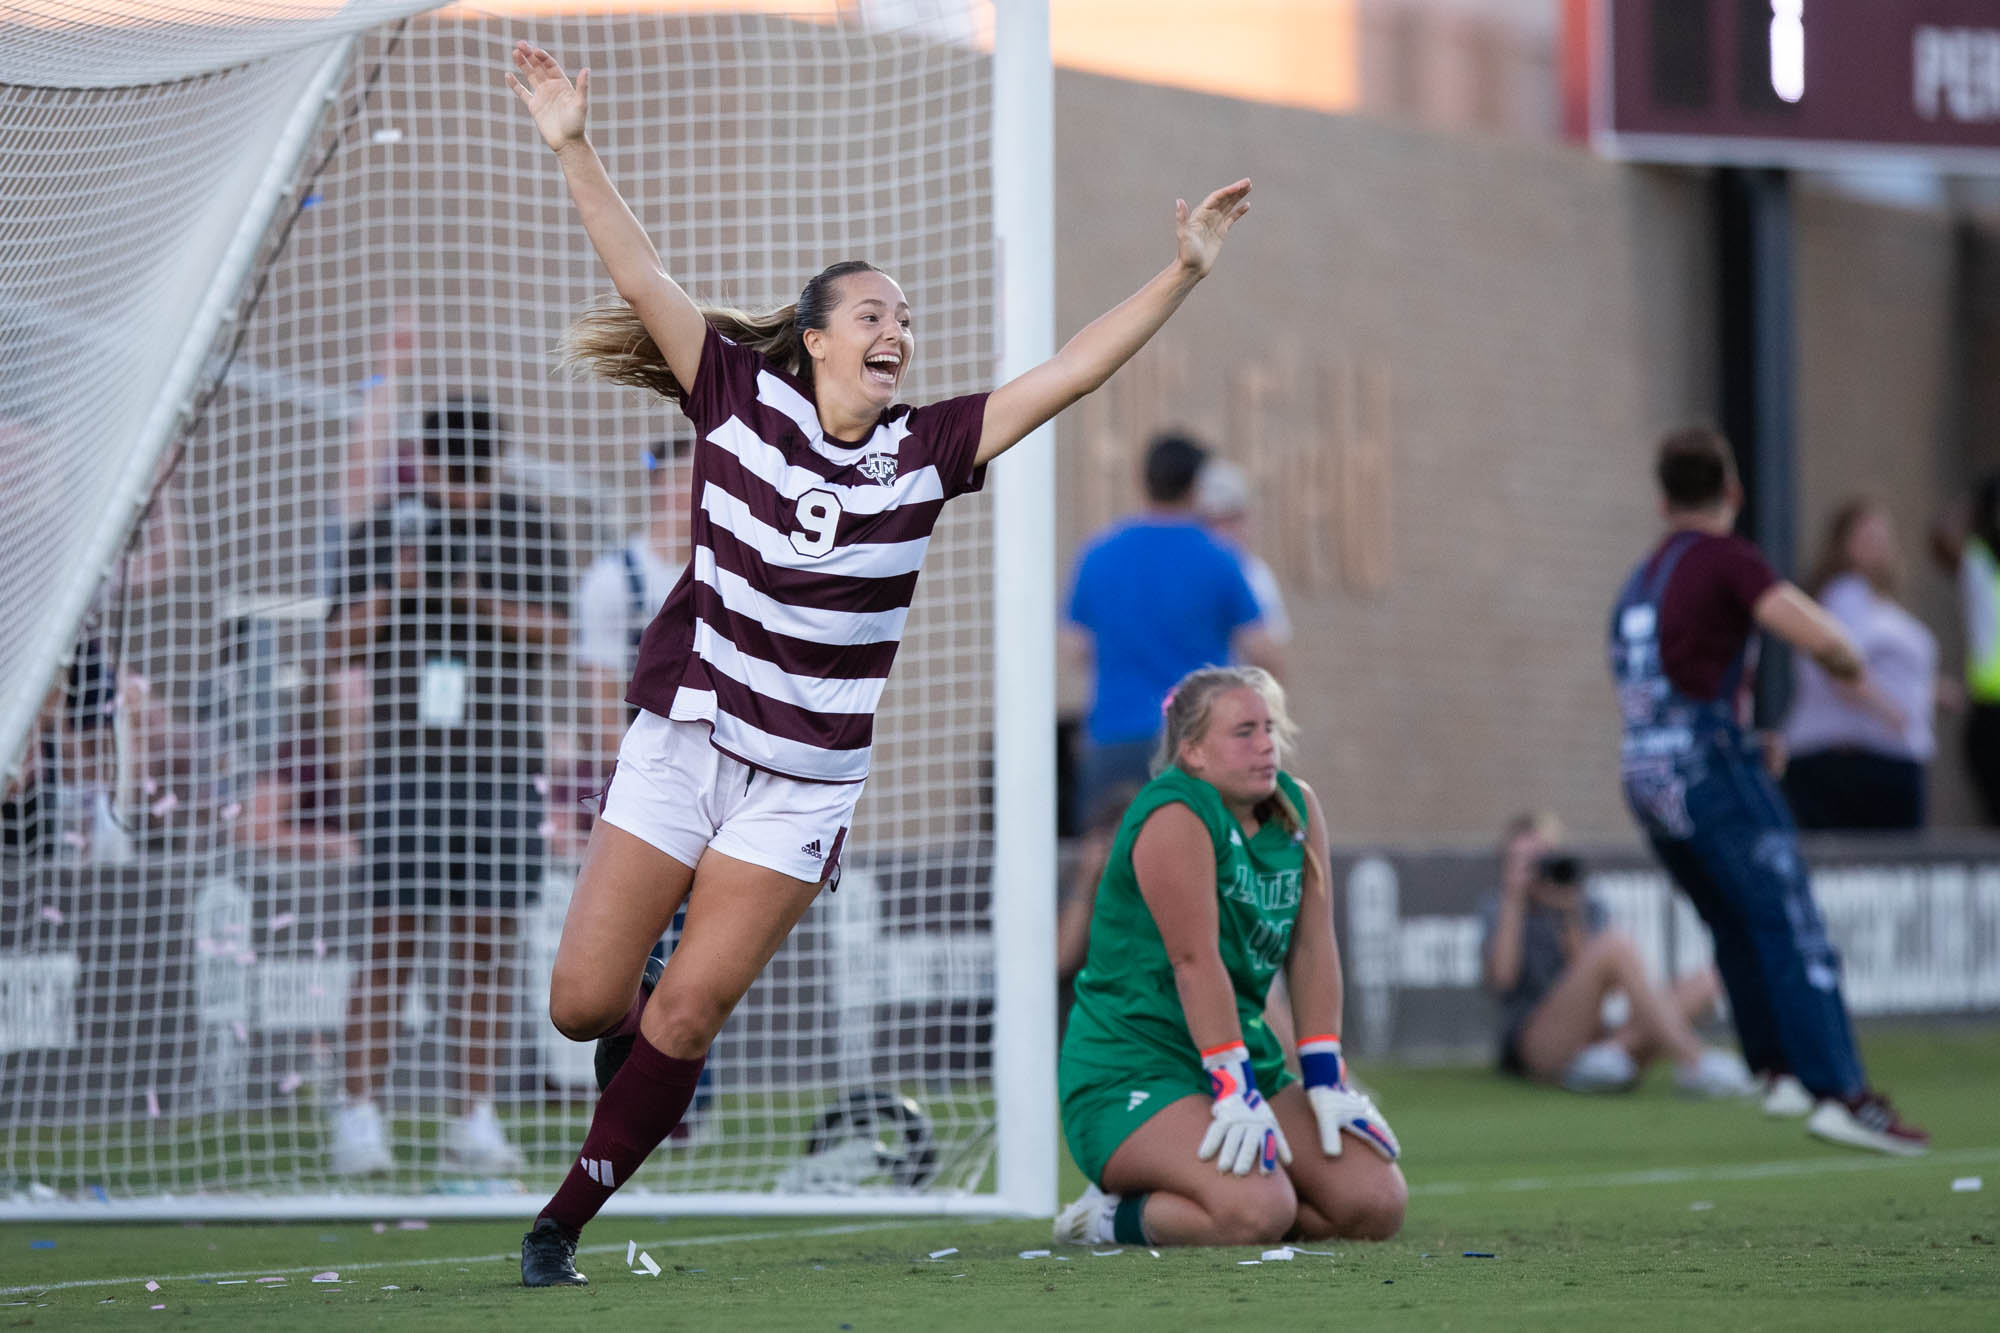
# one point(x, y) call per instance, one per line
point(1185, 718)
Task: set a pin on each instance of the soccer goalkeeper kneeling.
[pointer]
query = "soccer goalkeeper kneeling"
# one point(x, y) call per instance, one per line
point(1175, 1097)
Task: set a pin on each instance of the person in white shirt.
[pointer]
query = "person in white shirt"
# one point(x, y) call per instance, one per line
point(1859, 754)
point(618, 597)
point(1222, 502)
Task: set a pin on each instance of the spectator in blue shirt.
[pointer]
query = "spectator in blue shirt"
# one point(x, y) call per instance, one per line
point(1155, 597)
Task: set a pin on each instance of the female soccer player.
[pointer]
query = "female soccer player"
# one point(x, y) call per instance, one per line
point(1175, 1096)
point(814, 496)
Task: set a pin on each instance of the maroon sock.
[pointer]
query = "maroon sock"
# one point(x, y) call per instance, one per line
point(645, 1101)
point(628, 1026)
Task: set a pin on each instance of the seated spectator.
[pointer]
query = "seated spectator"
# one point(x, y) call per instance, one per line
point(1858, 754)
point(1552, 958)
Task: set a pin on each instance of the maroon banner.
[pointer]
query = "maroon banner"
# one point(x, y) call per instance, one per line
point(1800, 82)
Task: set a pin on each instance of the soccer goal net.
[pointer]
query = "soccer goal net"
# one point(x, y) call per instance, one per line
point(281, 881)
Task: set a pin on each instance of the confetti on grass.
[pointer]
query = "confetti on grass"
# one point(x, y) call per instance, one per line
point(1967, 1185)
point(1280, 1255)
point(1478, 1254)
point(151, 1285)
point(1034, 1254)
point(326, 1277)
point(940, 1254)
point(648, 1266)
point(152, 1104)
point(290, 1083)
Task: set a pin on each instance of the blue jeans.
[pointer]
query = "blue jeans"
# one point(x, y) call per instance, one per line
point(1741, 869)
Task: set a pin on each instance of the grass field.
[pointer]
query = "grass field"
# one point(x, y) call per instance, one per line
point(1641, 1212)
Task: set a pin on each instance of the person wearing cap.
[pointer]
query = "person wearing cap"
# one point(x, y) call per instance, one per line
point(1222, 503)
point(453, 597)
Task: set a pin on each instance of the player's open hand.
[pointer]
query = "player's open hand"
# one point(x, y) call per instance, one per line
point(558, 106)
point(1201, 231)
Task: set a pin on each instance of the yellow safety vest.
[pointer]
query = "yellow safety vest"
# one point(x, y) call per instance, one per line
point(1982, 670)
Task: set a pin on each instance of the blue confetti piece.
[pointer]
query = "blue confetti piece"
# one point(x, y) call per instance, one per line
point(309, 201)
point(97, 1192)
point(1478, 1254)
point(648, 460)
point(41, 1245)
point(374, 380)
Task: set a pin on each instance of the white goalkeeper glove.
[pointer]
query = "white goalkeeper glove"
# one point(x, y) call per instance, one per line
point(1244, 1132)
point(1336, 1106)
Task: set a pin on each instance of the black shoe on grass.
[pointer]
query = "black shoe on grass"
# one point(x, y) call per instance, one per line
point(548, 1257)
point(612, 1050)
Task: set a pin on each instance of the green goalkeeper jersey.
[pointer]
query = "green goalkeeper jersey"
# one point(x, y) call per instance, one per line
point(1128, 1011)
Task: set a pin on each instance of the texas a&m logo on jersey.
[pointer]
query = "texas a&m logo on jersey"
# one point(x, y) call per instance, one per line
point(878, 467)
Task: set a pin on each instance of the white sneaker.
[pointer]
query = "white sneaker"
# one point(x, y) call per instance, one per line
point(476, 1142)
point(360, 1147)
point(1717, 1073)
point(1870, 1122)
point(1785, 1096)
point(1088, 1220)
point(1601, 1067)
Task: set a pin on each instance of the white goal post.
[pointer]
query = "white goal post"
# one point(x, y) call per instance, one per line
point(256, 261)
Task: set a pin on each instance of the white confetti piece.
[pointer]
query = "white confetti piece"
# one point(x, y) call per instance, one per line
point(387, 134)
point(1154, 1253)
point(1700, 1206)
point(74, 839)
point(392, 1288)
point(1248, 1263)
point(270, 1281)
point(547, 828)
point(152, 1104)
point(290, 1083)
point(159, 1307)
point(1034, 1254)
point(232, 811)
point(53, 915)
point(413, 1224)
point(1323, 1254)
point(152, 787)
point(631, 1252)
point(165, 805)
point(1967, 1185)
point(232, 1282)
point(326, 1277)
point(282, 921)
point(1106, 1254)
point(939, 1254)
point(542, 784)
point(649, 1263)
point(152, 1285)
point(1281, 1255)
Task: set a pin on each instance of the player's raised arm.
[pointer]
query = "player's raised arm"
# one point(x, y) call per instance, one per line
point(560, 109)
point(1087, 360)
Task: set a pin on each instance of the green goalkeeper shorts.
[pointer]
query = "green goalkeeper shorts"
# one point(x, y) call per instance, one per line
point(1101, 1108)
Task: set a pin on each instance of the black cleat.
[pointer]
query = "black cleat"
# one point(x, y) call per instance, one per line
point(548, 1257)
point(612, 1050)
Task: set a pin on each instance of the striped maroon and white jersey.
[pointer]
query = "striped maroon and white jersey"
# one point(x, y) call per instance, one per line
point(806, 552)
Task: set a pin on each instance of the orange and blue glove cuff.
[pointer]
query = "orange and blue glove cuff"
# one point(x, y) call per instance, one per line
point(1228, 1070)
point(1321, 1062)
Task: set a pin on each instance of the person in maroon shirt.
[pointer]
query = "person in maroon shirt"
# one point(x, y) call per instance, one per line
point(815, 492)
point(1681, 650)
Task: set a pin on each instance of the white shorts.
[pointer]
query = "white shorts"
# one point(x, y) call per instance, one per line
point(678, 792)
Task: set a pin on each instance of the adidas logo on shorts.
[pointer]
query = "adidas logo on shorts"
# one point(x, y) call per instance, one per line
point(812, 849)
point(598, 1170)
point(1137, 1098)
